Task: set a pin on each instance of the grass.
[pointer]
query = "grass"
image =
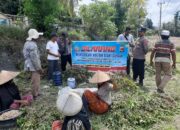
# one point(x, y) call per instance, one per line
point(132, 109)
point(178, 57)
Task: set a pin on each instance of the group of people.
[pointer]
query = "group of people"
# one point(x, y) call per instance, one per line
point(76, 105)
point(57, 48)
point(162, 53)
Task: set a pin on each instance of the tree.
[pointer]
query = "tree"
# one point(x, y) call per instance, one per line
point(120, 14)
point(136, 12)
point(169, 26)
point(42, 13)
point(97, 18)
point(148, 23)
point(177, 23)
point(9, 6)
point(70, 5)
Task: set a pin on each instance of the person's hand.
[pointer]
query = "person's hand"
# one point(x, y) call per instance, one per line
point(174, 66)
point(151, 63)
point(58, 55)
point(24, 103)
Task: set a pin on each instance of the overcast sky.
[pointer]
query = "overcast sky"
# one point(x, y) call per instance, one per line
point(168, 11)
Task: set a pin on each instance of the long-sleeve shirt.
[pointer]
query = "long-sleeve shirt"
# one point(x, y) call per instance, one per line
point(31, 56)
point(141, 48)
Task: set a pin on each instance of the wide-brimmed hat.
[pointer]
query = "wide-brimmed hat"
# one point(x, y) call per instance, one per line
point(99, 77)
point(6, 76)
point(69, 103)
point(33, 34)
point(165, 33)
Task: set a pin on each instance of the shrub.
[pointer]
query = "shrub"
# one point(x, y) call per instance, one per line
point(11, 32)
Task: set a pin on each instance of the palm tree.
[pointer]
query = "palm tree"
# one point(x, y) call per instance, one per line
point(70, 5)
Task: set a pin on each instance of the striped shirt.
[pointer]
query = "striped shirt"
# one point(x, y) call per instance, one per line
point(163, 51)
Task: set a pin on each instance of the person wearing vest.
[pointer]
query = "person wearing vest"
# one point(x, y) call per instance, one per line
point(162, 53)
point(139, 52)
point(126, 36)
point(32, 60)
point(65, 50)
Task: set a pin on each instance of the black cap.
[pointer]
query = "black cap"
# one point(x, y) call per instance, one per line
point(53, 34)
point(64, 34)
point(128, 29)
point(142, 29)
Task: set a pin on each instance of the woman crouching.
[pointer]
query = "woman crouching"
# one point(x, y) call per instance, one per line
point(100, 101)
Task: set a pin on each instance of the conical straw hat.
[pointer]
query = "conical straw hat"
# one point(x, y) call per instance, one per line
point(99, 77)
point(5, 76)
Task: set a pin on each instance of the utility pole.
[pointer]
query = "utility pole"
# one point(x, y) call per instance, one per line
point(138, 19)
point(160, 16)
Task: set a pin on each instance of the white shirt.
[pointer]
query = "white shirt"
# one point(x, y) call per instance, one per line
point(130, 40)
point(53, 48)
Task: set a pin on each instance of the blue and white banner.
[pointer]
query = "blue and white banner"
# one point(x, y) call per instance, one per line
point(100, 55)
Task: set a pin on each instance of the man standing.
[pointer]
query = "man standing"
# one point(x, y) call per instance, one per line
point(65, 50)
point(163, 51)
point(126, 36)
point(32, 60)
point(53, 55)
point(139, 53)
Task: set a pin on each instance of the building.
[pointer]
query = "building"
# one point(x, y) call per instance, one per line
point(4, 20)
point(13, 20)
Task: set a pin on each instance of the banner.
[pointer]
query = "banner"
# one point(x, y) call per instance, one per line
point(100, 55)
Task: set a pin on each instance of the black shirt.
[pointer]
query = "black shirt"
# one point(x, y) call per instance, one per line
point(8, 93)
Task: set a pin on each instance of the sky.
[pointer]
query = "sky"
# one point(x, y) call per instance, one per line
point(168, 9)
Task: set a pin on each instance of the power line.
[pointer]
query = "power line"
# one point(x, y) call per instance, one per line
point(165, 8)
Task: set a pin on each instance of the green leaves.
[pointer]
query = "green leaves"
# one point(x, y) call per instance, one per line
point(97, 18)
point(42, 13)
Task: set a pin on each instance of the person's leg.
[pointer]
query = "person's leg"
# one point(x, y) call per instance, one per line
point(69, 59)
point(50, 69)
point(35, 83)
point(128, 65)
point(135, 69)
point(166, 67)
point(63, 63)
point(141, 68)
point(56, 65)
point(96, 105)
point(85, 104)
point(158, 73)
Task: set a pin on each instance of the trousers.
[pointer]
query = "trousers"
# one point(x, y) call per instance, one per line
point(35, 80)
point(138, 69)
point(64, 60)
point(167, 74)
point(52, 67)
